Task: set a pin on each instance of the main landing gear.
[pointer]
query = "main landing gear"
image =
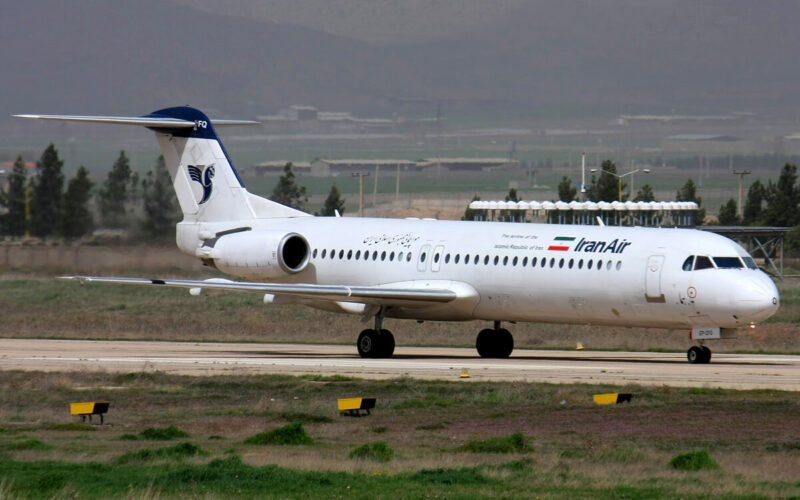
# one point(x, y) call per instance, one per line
point(494, 343)
point(376, 342)
point(698, 354)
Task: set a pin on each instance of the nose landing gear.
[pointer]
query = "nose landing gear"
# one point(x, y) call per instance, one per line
point(698, 354)
point(494, 343)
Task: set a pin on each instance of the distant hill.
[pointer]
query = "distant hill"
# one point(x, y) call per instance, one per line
point(576, 57)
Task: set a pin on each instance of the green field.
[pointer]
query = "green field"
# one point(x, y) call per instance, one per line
point(447, 439)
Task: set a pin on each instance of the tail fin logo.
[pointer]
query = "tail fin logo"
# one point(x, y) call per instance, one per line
point(204, 179)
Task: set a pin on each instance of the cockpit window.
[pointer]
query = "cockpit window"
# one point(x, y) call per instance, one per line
point(702, 262)
point(749, 262)
point(687, 264)
point(728, 263)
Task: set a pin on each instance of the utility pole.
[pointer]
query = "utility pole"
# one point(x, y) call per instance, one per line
point(375, 188)
point(740, 205)
point(583, 176)
point(360, 176)
point(397, 183)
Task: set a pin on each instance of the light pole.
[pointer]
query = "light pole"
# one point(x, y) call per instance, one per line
point(620, 176)
point(360, 176)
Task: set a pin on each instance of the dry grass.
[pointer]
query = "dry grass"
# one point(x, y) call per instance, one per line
point(624, 444)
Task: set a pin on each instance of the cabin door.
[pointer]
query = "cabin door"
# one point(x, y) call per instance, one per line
point(652, 279)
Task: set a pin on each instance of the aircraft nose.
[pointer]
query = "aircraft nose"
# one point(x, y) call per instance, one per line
point(757, 299)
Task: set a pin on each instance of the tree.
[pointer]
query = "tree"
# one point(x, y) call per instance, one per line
point(13, 222)
point(117, 191)
point(46, 191)
point(783, 199)
point(566, 191)
point(287, 192)
point(608, 186)
point(753, 205)
point(512, 195)
point(77, 219)
point(333, 203)
point(645, 194)
point(689, 193)
point(469, 214)
point(160, 205)
point(509, 215)
point(727, 214)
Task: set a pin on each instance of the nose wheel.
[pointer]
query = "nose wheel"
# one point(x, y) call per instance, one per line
point(698, 354)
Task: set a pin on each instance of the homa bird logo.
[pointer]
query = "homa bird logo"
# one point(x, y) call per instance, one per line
point(204, 179)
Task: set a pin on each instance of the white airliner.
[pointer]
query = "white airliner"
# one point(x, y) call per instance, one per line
point(445, 270)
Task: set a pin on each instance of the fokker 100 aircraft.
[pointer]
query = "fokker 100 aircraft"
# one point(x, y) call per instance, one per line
point(445, 270)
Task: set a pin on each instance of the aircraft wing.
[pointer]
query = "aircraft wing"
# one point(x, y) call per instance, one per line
point(336, 293)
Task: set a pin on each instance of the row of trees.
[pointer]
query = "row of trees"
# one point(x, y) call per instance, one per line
point(41, 206)
point(774, 204)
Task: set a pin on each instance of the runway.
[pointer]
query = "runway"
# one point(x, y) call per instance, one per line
point(734, 371)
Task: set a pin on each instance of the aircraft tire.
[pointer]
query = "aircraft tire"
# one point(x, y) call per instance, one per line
point(368, 344)
point(484, 344)
point(386, 344)
point(695, 355)
point(503, 343)
point(706, 354)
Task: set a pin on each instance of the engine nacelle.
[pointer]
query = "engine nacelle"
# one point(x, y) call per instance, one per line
point(261, 254)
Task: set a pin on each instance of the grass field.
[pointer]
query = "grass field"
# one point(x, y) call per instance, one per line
point(447, 439)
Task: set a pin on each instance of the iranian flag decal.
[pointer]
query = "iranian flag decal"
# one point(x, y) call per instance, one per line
point(561, 243)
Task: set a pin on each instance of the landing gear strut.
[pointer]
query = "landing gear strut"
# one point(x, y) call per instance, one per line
point(377, 342)
point(494, 343)
point(698, 354)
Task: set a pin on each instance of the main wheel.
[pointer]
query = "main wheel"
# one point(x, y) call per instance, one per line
point(484, 343)
point(706, 354)
point(386, 343)
point(368, 344)
point(503, 343)
point(695, 355)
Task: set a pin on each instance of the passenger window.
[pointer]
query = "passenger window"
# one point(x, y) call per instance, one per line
point(408, 257)
point(524, 262)
point(358, 254)
point(728, 263)
point(552, 262)
point(571, 263)
point(561, 263)
point(580, 264)
point(505, 260)
point(496, 260)
point(533, 262)
point(323, 253)
point(436, 257)
point(619, 265)
point(457, 258)
point(687, 264)
point(391, 257)
point(375, 255)
point(314, 253)
point(400, 257)
point(333, 253)
point(486, 260)
point(341, 254)
point(608, 265)
point(349, 254)
point(749, 262)
point(477, 258)
point(366, 255)
point(422, 257)
point(447, 259)
point(589, 264)
point(466, 259)
point(702, 262)
point(599, 264)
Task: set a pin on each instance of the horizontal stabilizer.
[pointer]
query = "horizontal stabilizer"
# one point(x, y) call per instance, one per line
point(144, 121)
